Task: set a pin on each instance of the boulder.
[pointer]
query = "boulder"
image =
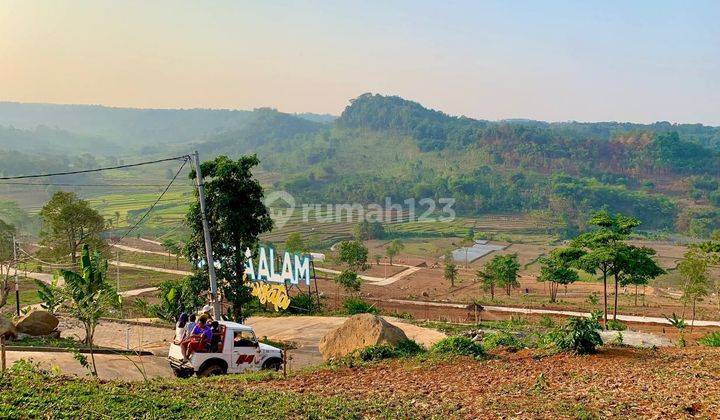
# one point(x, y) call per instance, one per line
point(7, 329)
point(357, 332)
point(37, 323)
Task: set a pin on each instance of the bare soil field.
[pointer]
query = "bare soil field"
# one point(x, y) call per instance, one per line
point(617, 382)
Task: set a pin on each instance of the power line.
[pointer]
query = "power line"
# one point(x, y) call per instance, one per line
point(185, 161)
point(185, 157)
point(82, 185)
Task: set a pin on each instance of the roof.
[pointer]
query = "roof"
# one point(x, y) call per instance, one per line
point(235, 325)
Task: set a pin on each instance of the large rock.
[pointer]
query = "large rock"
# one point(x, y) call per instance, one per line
point(359, 331)
point(37, 323)
point(7, 328)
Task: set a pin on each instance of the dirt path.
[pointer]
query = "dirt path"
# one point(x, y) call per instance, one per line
point(147, 267)
point(140, 251)
point(627, 318)
point(379, 281)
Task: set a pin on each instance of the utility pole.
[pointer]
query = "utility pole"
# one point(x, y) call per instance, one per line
point(17, 283)
point(206, 233)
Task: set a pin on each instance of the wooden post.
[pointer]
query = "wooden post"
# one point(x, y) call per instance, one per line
point(2, 352)
point(285, 359)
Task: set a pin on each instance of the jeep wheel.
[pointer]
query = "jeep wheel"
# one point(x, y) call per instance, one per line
point(183, 373)
point(211, 370)
point(273, 364)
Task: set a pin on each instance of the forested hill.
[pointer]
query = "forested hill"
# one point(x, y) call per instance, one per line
point(385, 146)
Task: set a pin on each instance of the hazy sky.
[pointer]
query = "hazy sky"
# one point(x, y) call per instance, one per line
point(577, 60)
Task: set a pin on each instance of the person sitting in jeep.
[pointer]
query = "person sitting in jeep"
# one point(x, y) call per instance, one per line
point(198, 341)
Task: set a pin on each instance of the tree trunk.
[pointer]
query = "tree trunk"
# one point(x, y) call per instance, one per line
point(492, 292)
point(605, 305)
point(636, 294)
point(616, 299)
point(692, 324)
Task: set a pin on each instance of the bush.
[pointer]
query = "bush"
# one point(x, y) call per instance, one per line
point(502, 339)
point(458, 346)
point(378, 352)
point(615, 325)
point(711, 340)
point(409, 348)
point(579, 335)
point(304, 303)
point(355, 306)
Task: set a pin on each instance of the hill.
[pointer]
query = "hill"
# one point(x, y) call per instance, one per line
point(390, 147)
point(386, 146)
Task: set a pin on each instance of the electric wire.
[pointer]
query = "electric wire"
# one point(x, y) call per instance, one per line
point(84, 171)
point(185, 161)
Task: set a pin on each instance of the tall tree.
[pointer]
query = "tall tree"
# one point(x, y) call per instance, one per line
point(354, 254)
point(694, 270)
point(67, 223)
point(500, 271)
point(558, 268)
point(603, 245)
point(635, 266)
point(451, 272)
point(394, 249)
point(237, 217)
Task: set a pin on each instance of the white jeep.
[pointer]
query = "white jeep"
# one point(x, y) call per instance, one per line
point(238, 350)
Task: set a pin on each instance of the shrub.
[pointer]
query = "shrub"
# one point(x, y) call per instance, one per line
point(547, 322)
point(502, 339)
point(355, 306)
point(378, 352)
point(409, 348)
point(711, 340)
point(615, 325)
point(304, 303)
point(458, 346)
point(579, 335)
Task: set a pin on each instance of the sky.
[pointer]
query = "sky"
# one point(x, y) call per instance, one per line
point(640, 61)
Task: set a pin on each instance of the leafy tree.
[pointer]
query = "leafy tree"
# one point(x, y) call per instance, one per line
point(558, 268)
point(637, 267)
point(500, 271)
point(237, 217)
point(694, 270)
point(67, 223)
point(451, 272)
point(367, 230)
point(90, 294)
point(394, 249)
point(354, 254)
point(349, 280)
point(294, 243)
point(50, 294)
point(178, 296)
point(604, 245)
point(377, 259)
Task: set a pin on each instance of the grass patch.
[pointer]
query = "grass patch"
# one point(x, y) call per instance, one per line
point(711, 340)
point(457, 346)
point(46, 342)
point(29, 393)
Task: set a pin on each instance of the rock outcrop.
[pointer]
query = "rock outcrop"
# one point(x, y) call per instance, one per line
point(37, 323)
point(359, 331)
